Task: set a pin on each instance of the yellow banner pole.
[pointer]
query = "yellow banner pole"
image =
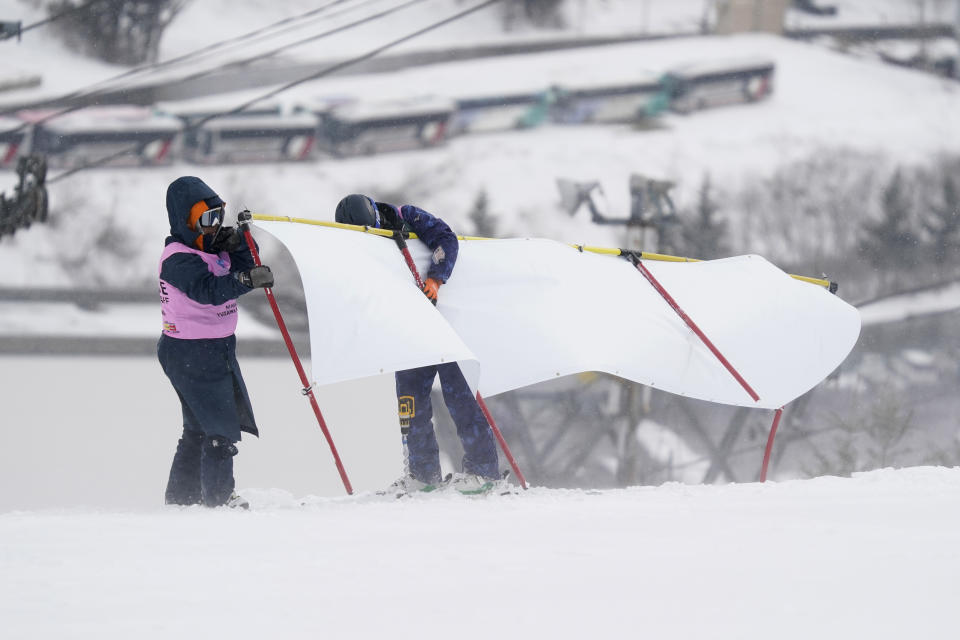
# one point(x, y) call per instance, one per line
point(643, 255)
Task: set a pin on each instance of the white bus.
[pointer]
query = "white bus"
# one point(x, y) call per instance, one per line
point(252, 138)
point(605, 101)
point(374, 127)
point(267, 131)
point(480, 114)
point(718, 83)
point(136, 136)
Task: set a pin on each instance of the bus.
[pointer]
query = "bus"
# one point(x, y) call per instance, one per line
point(714, 84)
point(136, 136)
point(607, 101)
point(480, 114)
point(268, 131)
point(376, 127)
point(252, 138)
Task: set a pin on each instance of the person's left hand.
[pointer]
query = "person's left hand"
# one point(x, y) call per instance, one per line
point(430, 288)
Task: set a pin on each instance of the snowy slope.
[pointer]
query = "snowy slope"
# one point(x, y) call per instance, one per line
point(872, 557)
point(41, 52)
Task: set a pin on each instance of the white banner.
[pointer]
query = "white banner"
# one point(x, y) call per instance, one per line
point(520, 311)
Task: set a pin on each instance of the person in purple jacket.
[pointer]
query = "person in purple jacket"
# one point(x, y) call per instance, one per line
point(204, 268)
point(480, 462)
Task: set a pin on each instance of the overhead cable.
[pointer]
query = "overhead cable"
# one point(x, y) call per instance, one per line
point(330, 32)
point(313, 76)
point(92, 91)
point(289, 23)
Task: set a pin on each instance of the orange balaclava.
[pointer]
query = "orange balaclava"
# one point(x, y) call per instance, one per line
point(193, 221)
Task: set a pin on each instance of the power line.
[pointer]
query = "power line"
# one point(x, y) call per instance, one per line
point(352, 61)
point(314, 76)
point(89, 90)
point(330, 32)
point(246, 38)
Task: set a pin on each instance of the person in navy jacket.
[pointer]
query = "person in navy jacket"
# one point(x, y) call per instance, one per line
point(413, 385)
point(204, 268)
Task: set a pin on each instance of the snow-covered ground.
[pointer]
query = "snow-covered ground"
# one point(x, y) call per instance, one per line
point(937, 300)
point(874, 556)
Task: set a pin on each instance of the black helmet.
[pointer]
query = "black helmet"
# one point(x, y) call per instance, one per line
point(358, 209)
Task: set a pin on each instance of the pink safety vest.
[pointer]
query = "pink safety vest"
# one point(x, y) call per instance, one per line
point(190, 320)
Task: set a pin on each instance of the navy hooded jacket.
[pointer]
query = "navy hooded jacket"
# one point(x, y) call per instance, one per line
point(205, 373)
point(437, 235)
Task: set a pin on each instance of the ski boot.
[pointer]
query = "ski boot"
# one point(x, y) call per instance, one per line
point(236, 501)
point(470, 484)
point(408, 485)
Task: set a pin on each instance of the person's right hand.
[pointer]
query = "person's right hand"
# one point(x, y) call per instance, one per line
point(258, 277)
point(430, 289)
point(228, 239)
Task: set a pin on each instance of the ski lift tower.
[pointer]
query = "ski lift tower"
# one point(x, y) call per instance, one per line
point(651, 206)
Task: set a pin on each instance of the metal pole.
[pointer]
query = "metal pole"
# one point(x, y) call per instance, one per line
point(503, 443)
point(956, 36)
point(693, 326)
point(766, 453)
point(244, 221)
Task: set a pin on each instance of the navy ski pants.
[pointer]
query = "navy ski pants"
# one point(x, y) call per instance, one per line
point(413, 395)
point(202, 470)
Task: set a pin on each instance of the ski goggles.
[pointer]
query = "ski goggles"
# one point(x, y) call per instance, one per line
point(211, 217)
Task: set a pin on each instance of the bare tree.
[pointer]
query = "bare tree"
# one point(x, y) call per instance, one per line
point(117, 31)
point(540, 13)
point(484, 223)
point(704, 235)
point(892, 243)
point(942, 224)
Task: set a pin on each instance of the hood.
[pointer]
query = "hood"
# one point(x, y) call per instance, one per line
point(182, 194)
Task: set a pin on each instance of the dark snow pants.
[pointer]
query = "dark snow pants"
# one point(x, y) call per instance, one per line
point(413, 395)
point(215, 407)
point(202, 470)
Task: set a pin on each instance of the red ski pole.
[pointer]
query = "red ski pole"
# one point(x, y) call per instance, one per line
point(690, 323)
point(243, 219)
point(766, 452)
point(402, 245)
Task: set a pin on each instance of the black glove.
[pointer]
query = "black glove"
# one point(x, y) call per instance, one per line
point(389, 218)
point(228, 239)
point(258, 277)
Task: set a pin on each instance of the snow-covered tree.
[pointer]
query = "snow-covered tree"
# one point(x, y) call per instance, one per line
point(891, 244)
point(704, 235)
point(484, 223)
point(942, 223)
point(117, 31)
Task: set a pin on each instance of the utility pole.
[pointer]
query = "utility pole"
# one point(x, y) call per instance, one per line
point(922, 19)
point(956, 36)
